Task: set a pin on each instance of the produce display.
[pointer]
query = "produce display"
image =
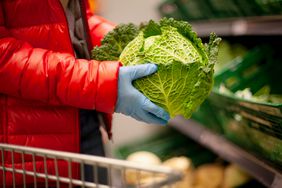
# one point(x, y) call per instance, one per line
point(185, 65)
point(263, 95)
point(215, 175)
point(210, 175)
point(196, 10)
point(148, 158)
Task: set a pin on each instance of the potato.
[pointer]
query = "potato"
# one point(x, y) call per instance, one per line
point(184, 165)
point(134, 177)
point(209, 176)
point(234, 176)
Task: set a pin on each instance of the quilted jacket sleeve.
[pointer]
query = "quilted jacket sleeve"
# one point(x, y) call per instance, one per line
point(98, 27)
point(56, 78)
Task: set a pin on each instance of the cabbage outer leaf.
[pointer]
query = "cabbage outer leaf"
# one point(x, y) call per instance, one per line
point(185, 65)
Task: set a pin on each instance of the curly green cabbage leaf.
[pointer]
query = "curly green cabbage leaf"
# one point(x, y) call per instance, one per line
point(185, 65)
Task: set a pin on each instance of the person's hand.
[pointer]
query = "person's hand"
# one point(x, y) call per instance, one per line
point(132, 102)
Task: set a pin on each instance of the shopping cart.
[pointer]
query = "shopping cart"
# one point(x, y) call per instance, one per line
point(118, 171)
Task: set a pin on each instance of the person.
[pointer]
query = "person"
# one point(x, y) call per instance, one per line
point(52, 95)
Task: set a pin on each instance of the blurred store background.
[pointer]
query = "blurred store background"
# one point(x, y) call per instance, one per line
point(240, 123)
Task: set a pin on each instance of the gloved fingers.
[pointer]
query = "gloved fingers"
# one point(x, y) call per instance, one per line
point(150, 118)
point(155, 110)
point(139, 71)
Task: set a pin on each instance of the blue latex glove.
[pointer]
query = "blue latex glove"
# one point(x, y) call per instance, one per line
point(132, 102)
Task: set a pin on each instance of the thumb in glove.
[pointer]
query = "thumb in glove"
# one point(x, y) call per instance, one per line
point(133, 103)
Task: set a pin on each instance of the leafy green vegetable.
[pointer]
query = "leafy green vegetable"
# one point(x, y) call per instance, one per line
point(185, 65)
point(262, 95)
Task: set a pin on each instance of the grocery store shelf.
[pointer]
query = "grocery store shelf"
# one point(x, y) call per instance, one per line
point(266, 173)
point(263, 25)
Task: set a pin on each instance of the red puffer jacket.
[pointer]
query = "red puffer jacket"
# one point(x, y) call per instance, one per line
point(42, 85)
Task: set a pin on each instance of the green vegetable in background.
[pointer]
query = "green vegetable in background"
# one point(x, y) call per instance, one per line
point(228, 53)
point(185, 65)
point(262, 95)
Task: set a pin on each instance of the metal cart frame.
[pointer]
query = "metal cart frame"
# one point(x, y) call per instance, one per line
point(116, 169)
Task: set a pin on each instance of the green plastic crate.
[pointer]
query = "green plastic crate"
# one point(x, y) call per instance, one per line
point(195, 9)
point(248, 8)
point(206, 116)
point(248, 135)
point(243, 120)
point(225, 8)
point(260, 67)
point(270, 7)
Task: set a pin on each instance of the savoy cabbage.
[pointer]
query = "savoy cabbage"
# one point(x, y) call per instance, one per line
point(185, 65)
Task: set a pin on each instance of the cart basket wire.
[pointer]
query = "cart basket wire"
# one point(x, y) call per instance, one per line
point(14, 171)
